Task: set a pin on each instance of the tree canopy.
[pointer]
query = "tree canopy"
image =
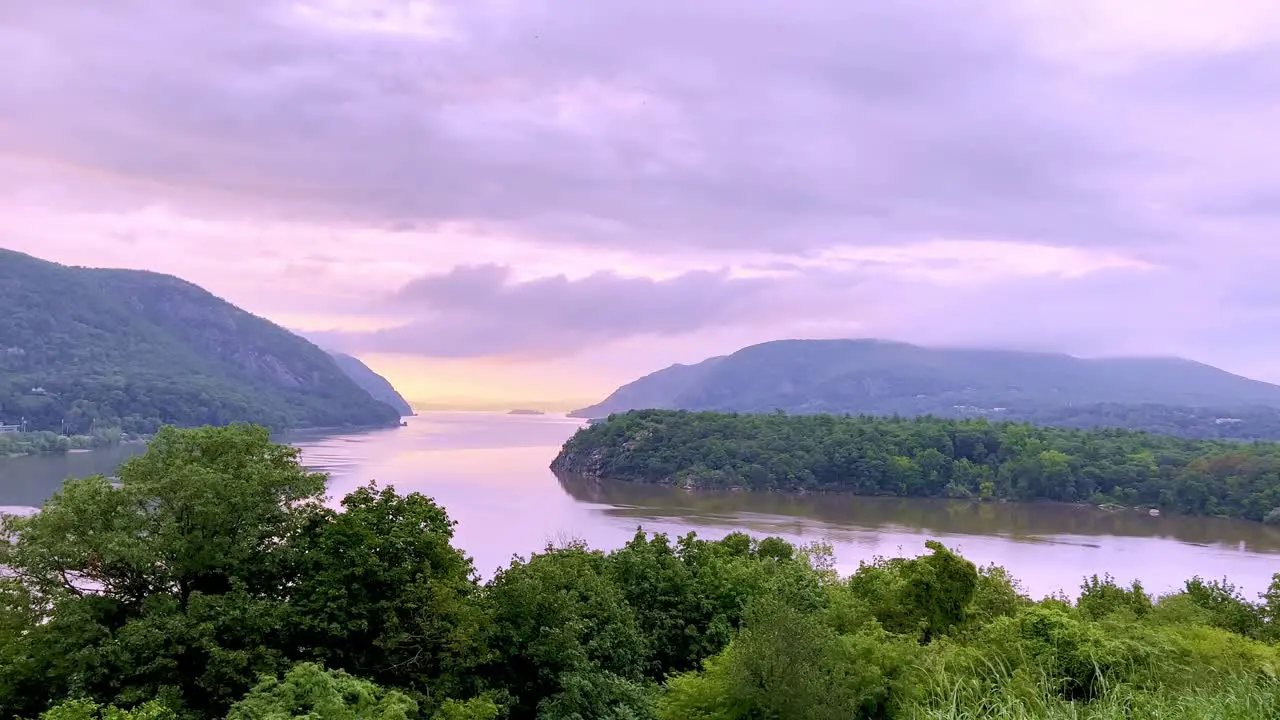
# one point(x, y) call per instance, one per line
point(930, 457)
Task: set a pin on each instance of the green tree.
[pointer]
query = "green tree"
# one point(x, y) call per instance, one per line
point(929, 595)
point(170, 585)
point(788, 665)
point(558, 617)
point(382, 593)
point(309, 691)
point(89, 710)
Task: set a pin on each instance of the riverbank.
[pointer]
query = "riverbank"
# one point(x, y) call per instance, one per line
point(19, 444)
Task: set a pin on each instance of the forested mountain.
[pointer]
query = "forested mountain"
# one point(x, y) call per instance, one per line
point(930, 457)
point(878, 377)
point(81, 348)
point(371, 382)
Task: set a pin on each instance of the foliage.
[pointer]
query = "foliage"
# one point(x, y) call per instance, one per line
point(171, 584)
point(930, 457)
point(308, 690)
point(83, 350)
point(381, 592)
point(90, 710)
point(214, 583)
point(925, 596)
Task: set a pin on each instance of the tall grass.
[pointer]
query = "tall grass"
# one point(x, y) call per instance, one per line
point(975, 687)
point(1241, 699)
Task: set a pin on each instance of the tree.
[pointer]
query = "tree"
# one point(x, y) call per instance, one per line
point(170, 585)
point(382, 593)
point(929, 595)
point(557, 617)
point(90, 710)
point(309, 691)
point(788, 664)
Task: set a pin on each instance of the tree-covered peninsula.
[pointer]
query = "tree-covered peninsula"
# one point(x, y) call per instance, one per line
point(930, 457)
point(213, 581)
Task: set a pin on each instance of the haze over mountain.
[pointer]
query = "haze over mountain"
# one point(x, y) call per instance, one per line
point(371, 382)
point(883, 378)
point(82, 348)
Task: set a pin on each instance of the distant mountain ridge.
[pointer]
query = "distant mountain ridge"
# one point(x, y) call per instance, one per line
point(81, 348)
point(879, 377)
point(371, 382)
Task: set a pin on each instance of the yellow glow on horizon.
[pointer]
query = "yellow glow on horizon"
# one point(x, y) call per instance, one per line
point(553, 385)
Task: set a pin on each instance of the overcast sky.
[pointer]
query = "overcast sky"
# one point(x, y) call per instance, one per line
point(546, 198)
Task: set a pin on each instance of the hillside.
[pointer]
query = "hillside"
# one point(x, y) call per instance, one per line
point(81, 348)
point(371, 382)
point(883, 378)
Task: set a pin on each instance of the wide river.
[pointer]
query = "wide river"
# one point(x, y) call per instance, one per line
point(490, 472)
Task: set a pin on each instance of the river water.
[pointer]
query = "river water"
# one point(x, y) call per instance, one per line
point(490, 472)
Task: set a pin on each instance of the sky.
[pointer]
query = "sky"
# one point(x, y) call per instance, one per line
point(543, 199)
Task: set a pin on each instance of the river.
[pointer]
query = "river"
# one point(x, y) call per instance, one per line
point(490, 472)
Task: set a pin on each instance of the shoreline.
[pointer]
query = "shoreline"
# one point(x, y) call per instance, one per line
point(143, 439)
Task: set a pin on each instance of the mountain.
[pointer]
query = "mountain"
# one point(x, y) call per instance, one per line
point(879, 377)
point(371, 382)
point(82, 348)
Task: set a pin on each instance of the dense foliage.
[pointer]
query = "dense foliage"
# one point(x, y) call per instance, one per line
point(84, 349)
point(930, 457)
point(871, 377)
point(212, 582)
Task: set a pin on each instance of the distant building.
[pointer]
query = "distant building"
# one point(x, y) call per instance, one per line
point(8, 429)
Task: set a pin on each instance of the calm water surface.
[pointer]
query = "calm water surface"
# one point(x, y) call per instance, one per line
point(490, 471)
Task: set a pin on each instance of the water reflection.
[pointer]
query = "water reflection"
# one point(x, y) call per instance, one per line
point(1037, 522)
point(29, 480)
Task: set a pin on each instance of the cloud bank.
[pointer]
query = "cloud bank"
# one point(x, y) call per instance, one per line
point(488, 178)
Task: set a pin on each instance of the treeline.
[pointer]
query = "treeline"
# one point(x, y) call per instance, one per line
point(80, 401)
point(931, 457)
point(213, 582)
point(31, 443)
point(1195, 423)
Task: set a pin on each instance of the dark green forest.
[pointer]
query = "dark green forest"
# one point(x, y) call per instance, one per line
point(931, 457)
point(83, 349)
point(213, 582)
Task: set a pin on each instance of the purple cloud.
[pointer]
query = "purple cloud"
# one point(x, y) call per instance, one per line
point(481, 311)
point(766, 136)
